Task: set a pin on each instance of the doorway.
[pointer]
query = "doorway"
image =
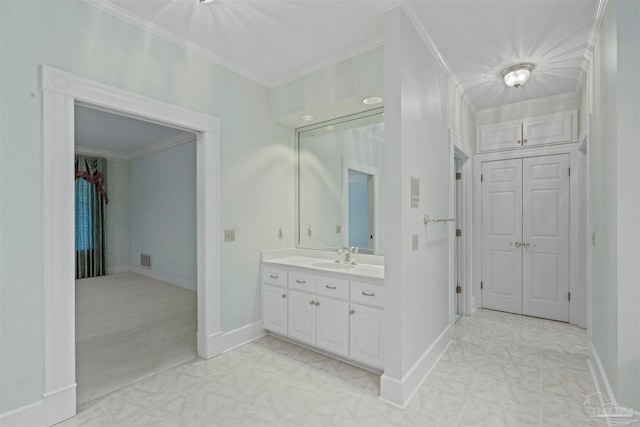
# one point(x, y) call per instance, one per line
point(525, 236)
point(61, 90)
point(359, 188)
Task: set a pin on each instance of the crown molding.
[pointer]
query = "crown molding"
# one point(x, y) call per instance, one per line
point(426, 37)
point(592, 39)
point(145, 25)
point(545, 99)
point(330, 61)
point(151, 148)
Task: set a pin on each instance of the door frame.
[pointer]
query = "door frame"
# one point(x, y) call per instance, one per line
point(61, 91)
point(459, 150)
point(578, 290)
point(350, 164)
point(585, 248)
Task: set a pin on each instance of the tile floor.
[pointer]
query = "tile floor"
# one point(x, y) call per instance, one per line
point(500, 370)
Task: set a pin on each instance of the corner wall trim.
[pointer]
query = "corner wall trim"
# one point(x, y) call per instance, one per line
point(400, 392)
point(241, 336)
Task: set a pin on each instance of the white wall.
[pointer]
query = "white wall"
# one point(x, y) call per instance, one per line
point(118, 215)
point(418, 115)
point(256, 161)
point(610, 96)
point(163, 214)
point(524, 109)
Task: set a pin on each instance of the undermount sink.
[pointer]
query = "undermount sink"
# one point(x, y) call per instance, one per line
point(334, 266)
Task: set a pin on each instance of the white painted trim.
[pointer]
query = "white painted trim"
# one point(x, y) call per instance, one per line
point(60, 92)
point(149, 149)
point(592, 39)
point(172, 280)
point(598, 373)
point(156, 30)
point(50, 410)
point(400, 392)
point(572, 150)
point(350, 164)
point(118, 269)
point(458, 149)
point(531, 102)
point(241, 336)
point(439, 57)
point(584, 226)
point(109, 155)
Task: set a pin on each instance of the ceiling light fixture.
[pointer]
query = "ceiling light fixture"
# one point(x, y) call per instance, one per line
point(307, 117)
point(372, 100)
point(517, 75)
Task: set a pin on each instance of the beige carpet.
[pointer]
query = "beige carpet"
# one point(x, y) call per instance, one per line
point(129, 327)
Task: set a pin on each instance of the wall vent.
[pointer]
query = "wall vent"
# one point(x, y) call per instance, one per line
point(145, 261)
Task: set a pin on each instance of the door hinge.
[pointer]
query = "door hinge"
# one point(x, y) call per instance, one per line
point(481, 285)
point(481, 178)
point(458, 176)
point(458, 289)
point(569, 296)
point(458, 232)
point(569, 171)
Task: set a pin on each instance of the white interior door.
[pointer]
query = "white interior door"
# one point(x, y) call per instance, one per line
point(501, 235)
point(545, 250)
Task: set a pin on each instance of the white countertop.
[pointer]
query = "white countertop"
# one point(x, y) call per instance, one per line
point(360, 270)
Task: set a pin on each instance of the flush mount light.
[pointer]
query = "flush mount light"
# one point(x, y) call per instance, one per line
point(517, 75)
point(372, 100)
point(307, 117)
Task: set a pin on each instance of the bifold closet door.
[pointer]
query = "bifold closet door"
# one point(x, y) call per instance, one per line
point(545, 250)
point(501, 234)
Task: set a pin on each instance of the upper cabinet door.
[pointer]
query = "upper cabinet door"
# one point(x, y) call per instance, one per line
point(550, 129)
point(500, 136)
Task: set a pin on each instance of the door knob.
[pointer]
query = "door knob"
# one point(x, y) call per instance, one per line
point(516, 244)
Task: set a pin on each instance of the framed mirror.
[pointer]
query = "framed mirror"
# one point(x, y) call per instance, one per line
point(340, 176)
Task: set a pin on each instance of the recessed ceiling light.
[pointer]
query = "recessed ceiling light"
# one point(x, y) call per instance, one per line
point(330, 127)
point(307, 117)
point(517, 75)
point(372, 100)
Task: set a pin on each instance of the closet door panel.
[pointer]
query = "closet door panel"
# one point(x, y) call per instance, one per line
point(501, 229)
point(546, 237)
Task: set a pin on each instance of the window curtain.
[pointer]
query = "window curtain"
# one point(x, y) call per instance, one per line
point(91, 199)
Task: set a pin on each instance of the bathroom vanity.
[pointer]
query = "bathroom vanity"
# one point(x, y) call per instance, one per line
point(331, 307)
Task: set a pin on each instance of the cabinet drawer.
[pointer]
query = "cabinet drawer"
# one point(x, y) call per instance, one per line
point(367, 293)
point(330, 287)
point(302, 281)
point(274, 276)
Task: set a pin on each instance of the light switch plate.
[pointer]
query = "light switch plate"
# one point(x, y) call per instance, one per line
point(414, 242)
point(230, 235)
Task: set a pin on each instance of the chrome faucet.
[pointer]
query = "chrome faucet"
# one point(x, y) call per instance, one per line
point(346, 255)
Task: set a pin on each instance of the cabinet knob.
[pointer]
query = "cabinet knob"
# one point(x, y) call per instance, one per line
point(524, 141)
point(284, 295)
point(311, 302)
point(518, 141)
point(352, 311)
point(317, 303)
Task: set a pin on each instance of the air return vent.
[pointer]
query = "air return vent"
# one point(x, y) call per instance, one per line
point(145, 261)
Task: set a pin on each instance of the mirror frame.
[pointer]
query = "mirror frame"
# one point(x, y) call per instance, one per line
point(298, 132)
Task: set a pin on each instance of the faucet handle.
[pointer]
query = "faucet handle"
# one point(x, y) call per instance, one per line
point(354, 249)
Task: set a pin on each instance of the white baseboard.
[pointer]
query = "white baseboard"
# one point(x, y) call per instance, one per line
point(597, 372)
point(54, 408)
point(222, 342)
point(474, 306)
point(400, 392)
point(118, 269)
point(186, 284)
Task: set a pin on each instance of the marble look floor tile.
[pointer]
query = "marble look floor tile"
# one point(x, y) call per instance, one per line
point(478, 414)
point(554, 360)
point(564, 412)
point(464, 353)
point(506, 371)
point(510, 397)
point(518, 353)
point(130, 402)
point(89, 414)
point(452, 377)
point(573, 385)
point(441, 405)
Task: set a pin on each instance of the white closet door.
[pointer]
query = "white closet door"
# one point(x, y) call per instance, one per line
point(545, 279)
point(501, 229)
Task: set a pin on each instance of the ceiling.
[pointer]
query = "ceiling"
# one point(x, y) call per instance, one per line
point(119, 137)
point(276, 41)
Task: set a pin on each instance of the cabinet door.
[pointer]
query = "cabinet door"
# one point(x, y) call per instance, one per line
point(502, 235)
point(302, 316)
point(274, 309)
point(366, 339)
point(549, 129)
point(499, 136)
point(332, 325)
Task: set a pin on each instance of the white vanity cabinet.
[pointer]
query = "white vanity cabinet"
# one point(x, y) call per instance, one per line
point(546, 129)
point(327, 311)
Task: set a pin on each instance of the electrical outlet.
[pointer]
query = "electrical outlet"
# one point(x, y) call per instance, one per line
point(414, 242)
point(230, 235)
